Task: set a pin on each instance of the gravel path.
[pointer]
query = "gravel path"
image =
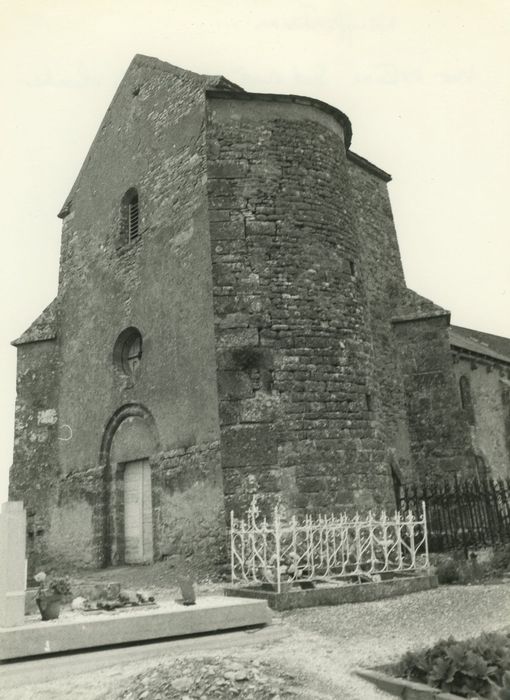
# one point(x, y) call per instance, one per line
point(376, 633)
point(373, 634)
point(321, 648)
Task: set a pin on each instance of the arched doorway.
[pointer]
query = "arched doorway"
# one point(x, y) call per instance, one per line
point(129, 441)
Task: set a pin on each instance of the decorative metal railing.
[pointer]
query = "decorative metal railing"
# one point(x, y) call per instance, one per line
point(462, 513)
point(324, 547)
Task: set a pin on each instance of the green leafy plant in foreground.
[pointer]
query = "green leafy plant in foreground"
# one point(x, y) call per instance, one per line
point(503, 692)
point(478, 667)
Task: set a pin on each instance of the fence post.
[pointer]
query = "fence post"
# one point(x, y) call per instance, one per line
point(411, 524)
point(499, 522)
point(398, 533)
point(277, 546)
point(425, 533)
point(461, 514)
point(491, 525)
point(504, 506)
point(370, 521)
point(232, 546)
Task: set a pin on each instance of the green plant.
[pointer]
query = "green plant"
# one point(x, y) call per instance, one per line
point(448, 571)
point(501, 692)
point(60, 585)
point(474, 572)
point(479, 666)
point(54, 585)
point(501, 559)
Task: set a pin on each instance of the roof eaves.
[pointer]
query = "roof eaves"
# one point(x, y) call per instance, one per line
point(368, 166)
point(406, 318)
point(469, 352)
point(340, 117)
point(473, 348)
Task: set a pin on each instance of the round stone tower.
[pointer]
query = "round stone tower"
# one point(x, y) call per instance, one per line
point(295, 376)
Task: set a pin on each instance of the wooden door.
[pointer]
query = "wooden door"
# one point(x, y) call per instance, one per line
point(137, 512)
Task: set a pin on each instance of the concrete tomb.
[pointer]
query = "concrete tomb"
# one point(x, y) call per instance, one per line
point(12, 564)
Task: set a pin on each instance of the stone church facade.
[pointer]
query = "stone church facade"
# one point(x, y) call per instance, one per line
point(232, 319)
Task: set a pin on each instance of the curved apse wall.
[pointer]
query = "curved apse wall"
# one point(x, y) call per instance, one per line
point(297, 398)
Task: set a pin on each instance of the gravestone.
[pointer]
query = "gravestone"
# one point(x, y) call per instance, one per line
point(12, 563)
point(187, 590)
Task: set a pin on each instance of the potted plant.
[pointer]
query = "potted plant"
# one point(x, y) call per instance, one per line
point(50, 594)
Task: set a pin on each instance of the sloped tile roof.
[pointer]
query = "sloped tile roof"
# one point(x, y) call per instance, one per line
point(413, 306)
point(493, 346)
point(43, 328)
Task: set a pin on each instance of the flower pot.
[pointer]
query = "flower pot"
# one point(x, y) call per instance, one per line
point(49, 606)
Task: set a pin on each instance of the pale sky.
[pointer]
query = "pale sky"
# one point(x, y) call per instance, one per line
point(426, 84)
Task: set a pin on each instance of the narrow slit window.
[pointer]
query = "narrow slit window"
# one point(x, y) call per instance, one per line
point(133, 219)
point(130, 216)
point(466, 398)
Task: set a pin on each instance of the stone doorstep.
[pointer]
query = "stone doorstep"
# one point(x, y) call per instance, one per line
point(336, 595)
point(210, 614)
point(401, 688)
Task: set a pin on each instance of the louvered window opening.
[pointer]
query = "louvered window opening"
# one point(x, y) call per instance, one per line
point(133, 220)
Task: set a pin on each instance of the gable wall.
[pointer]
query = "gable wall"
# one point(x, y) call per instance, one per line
point(152, 138)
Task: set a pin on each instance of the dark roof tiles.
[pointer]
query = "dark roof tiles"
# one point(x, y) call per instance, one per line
point(493, 346)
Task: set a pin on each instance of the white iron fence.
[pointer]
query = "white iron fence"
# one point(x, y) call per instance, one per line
point(325, 547)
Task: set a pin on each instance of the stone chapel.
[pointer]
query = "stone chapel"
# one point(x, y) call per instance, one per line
point(232, 319)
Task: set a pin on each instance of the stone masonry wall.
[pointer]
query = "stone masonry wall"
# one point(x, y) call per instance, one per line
point(292, 343)
point(439, 433)
point(151, 138)
point(189, 522)
point(35, 473)
point(489, 388)
point(384, 282)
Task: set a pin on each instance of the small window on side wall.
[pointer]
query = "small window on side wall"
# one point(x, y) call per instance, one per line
point(466, 398)
point(130, 216)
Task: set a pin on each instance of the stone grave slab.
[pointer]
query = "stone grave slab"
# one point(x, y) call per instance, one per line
point(331, 594)
point(165, 620)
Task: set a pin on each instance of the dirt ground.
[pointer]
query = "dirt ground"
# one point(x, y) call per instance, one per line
point(314, 656)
